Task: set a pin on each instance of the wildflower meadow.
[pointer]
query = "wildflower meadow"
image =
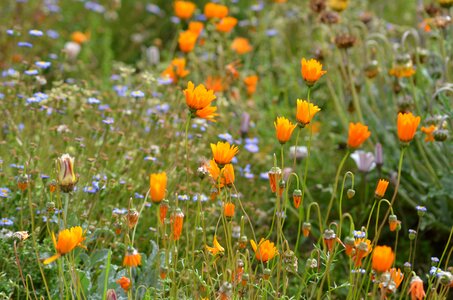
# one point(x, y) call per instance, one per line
point(228, 149)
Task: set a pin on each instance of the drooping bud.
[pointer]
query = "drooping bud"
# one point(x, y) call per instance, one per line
point(412, 234)
point(267, 274)
point(329, 237)
point(350, 193)
point(275, 175)
point(228, 209)
point(393, 222)
point(297, 198)
point(177, 223)
point(349, 243)
point(306, 228)
point(378, 155)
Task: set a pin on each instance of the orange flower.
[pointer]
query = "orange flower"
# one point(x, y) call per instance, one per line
point(199, 97)
point(311, 70)
point(382, 259)
point(429, 132)
point(393, 222)
point(176, 70)
point(226, 173)
point(187, 40)
point(68, 239)
point(226, 24)
point(275, 175)
point(358, 133)
point(177, 221)
point(163, 209)
point(213, 10)
point(184, 9)
point(228, 209)
point(241, 45)
point(284, 128)
point(215, 83)
point(251, 83)
point(397, 276)
point(363, 248)
point(217, 247)
point(232, 69)
point(207, 113)
point(305, 111)
point(80, 37)
point(223, 152)
point(381, 188)
point(407, 125)
point(265, 250)
point(125, 283)
point(338, 5)
point(157, 186)
point(196, 27)
point(132, 258)
point(402, 71)
point(416, 289)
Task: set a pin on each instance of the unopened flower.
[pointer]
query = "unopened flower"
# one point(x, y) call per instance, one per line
point(228, 209)
point(275, 175)
point(157, 186)
point(66, 176)
point(407, 125)
point(393, 222)
point(177, 221)
point(163, 209)
point(297, 198)
point(306, 228)
point(381, 188)
point(329, 238)
point(416, 289)
point(358, 133)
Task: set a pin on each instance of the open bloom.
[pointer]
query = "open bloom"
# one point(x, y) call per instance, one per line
point(198, 97)
point(265, 250)
point(358, 133)
point(283, 129)
point(157, 186)
point(241, 45)
point(207, 113)
point(66, 177)
point(311, 70)
point(429, 132)
point(251, 83)
point(338, 5)
point(223, 152)
point(305, 111)
point(214, 10)
point(390, 281)
point(382, 259)
point(228, 209)
point(80, 37)
point(196, 27)
point(68, 239)
point(226, 174)
point(184, 9)
point(226, 24)
point(132, 258)
point(176, 70)
point(364, 160)
point(416, 289)
point(407, 125)
point(381, 188)
point(187, 40)
point(217, 247)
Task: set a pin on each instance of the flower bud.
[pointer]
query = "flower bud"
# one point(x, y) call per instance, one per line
point(267, 274)
point(50, 207)
point(393, 222)
point(243, 240)
point(281, 187)
point(329, 239)
point(245, 279)
point(275, 174)
point(407, 267)
point(132, 218)
point(421, 210)
point(214, 193)
point(163, 273)
point(440, 135)
point(371, 69)
point(412, 234)
point(163, 209)
point(378, 155)
point(111, 295)
point(306, 228)
point(349, 243)
point(350, 193)
point(52, 186)
point(177, 223)
point(228, 209)
point(65, 169)
point(22, 182)
point(297, 198)
point(245, 122)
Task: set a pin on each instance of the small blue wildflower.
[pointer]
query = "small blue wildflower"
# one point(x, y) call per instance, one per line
point(31, 72)
point(44, 176)
point(264, 175)
point(137, 94)
point(252, 148)
point(162, 108)
point(53, 56)
point(115, 77)
point(2, 95)
point(138, 196)
point(203, 198)
point(6, 222)
point(154, 9)
point(122, 181)
point(421, 208)
point(9, 32)
point(435, 271)
point(150, 158)
point(175, 20)
point(95, 7)
point(119, 211)
point(41, 95)
point(358, 234)
point(226, 137)
point(93, 100)
point(271, 32)
point(121, 90)
point(25, 44)
point(108, 121)
point(164, 81)
point(43, 64)
point(90, 189)
point(200, 17)
point(52, 34)
point(104, 107)
point(33, 99)
point(257, 7)
point(35, 32)
point(183, 197)
point(4, 192)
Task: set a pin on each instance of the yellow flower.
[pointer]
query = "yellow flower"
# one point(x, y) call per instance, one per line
point(265, 250)
point(68, 239)
point(157, 186)
point(305, 111)
point(217, 247)
point(223, 152)
point(338, 5)
point(358, 133)
point(402, 71)
point(407, 125)
point(283, 129)
point(198, 97)
point(311, 70)
point(184, 9)
point(66, 177)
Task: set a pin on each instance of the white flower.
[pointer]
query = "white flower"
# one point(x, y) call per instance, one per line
point(364, 160)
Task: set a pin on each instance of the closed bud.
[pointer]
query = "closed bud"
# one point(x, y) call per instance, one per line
point(177, 223)
point(378, 155)
point(52, 186)
point(228, 209)
point(440, 135)
point(412, 234)
point(329, 239)
point(267, 274)
point(349, 243)
point(306, 228)
point(407, 267)
point(163, 273)
point(297, 198)
point(243, 240)
point(214, 193)
point(393, 222)
point(132, 218)
point(66, 176)
point(245, 279)
point(111, 295)
point(163, 209)
point(350, 193)
point(281, 187)
point(22, 182)
point(50, 207)
point(275, 174)
point(371, 69)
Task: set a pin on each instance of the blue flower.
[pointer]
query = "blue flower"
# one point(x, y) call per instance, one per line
point(154, 9)
point(271, 32)
point(138, 196)
point(119, 211)
point(120, 90)
point(52, 34)
point(4, 192)
point(93, 100)
point(358, 234)
point(94, 6)
point(10, 32)
point(137, 94)
point(164, 81)
point(226, 137)
point(25, 44)
point(108, 121)
point(43, 64)
point(6, 222)
point(31, 72)
point(35, 32)
point(252, 148)
point(183, 197)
